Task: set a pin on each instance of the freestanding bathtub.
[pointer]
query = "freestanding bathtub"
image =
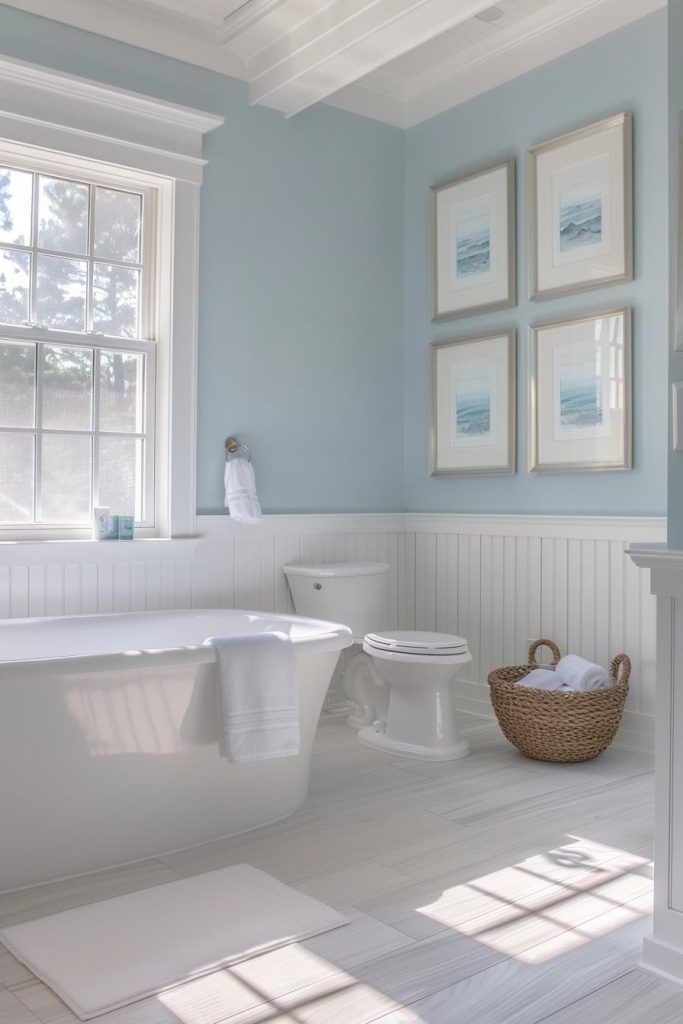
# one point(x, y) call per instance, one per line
point(109, 741)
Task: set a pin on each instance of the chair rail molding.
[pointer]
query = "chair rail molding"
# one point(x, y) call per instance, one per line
point(663, 953)
point(643, 529)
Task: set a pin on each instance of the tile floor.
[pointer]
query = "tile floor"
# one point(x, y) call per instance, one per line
point(493, 890)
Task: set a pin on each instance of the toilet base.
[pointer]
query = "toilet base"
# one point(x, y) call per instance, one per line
point(379, 741)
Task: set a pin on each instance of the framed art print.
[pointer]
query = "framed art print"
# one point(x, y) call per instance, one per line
point(473, 404)
point(581, 210)
point(473, 228)
point(581, 394)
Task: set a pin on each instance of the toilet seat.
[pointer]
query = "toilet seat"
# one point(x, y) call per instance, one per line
point(417, 642)
point(420, 669)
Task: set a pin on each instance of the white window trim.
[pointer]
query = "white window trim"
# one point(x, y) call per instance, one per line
point(45, 113)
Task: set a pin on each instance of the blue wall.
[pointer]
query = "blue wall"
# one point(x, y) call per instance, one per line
point(310, 286)
point(301, 263)
point(623, 71)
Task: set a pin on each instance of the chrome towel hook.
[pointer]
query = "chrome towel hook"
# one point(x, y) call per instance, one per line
point(233, 445)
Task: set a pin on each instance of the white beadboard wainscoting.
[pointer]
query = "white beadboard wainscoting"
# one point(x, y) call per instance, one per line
point(502, 581)
point(497, 580)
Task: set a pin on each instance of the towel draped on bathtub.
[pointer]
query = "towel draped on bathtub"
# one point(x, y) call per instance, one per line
point(258, 696)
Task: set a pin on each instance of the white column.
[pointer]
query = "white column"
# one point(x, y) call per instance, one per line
point(663, 953)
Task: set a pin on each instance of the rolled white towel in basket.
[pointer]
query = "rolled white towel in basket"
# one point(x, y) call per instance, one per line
point(541, 679)
point(580, 675)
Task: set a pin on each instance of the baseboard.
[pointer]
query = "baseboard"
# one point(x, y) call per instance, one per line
point(662, 960)
point(637, 731)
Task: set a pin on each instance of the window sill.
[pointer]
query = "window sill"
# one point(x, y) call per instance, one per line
point(100, 550)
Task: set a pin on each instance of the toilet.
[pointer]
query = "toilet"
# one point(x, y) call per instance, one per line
point(400, 683)
point(420, 669)
point(357, 595)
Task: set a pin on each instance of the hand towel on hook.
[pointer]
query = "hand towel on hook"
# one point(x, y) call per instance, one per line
point(241, 499)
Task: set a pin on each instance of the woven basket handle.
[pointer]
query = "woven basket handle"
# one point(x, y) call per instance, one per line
point(554, 649)
point(620, 661)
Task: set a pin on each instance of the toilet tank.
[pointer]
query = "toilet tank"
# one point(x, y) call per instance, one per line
point(353, 593)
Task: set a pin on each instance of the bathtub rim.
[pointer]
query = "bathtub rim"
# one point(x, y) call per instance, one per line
point(331, 636)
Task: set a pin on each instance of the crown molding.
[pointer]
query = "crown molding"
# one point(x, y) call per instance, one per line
point(298, 65)
point(179, 15)
point(373, 101)
point(237, 25)
point(561, 15)
point(577, 28)
point(539, 40)
point(173, 35)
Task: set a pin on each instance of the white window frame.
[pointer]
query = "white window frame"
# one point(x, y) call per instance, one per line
point(86, 172)
point(59, 122)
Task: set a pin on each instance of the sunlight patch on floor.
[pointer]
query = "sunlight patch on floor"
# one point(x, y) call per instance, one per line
point(563, 890)
point(274, 987)
point(589, 931)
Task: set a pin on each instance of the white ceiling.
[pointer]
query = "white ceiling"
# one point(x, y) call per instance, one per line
point(399, 61)
point(210, 13)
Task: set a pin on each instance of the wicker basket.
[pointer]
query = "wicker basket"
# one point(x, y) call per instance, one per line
point(558, 726)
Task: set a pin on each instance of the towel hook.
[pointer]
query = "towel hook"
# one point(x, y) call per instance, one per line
point(233, 445)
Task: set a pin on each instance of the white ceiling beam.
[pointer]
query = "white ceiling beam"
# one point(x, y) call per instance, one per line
point(345, 41)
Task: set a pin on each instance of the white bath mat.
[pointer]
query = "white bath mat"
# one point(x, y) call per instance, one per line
point(108, 954)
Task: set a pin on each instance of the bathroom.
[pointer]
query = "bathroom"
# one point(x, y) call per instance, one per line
point(298, 316)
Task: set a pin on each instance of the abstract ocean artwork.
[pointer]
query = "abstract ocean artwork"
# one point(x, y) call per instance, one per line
point(472, 407)
point(580, 396)
point(473, 400)
point(473, 248)
point(473, 240)
point(580, 216)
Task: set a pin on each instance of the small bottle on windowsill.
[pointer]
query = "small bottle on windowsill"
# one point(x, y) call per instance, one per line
point(126, 527)
point(102, 523)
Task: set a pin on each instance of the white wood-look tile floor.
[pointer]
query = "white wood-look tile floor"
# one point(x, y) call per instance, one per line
point(492, 890)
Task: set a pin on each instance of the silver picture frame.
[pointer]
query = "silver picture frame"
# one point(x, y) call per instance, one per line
point(538, 395)
point(622, 123)
point(507, 465)
point(439, 314)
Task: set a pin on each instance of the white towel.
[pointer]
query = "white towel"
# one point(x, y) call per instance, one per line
point(541, 679)
point(581, 675)
point(258, 696)
point(241, 499)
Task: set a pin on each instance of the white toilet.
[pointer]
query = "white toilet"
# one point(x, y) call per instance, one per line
point(420, 669)
point(401, 685)
point(356, 594)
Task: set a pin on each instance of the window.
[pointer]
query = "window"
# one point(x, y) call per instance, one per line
point(77, 347)
point(99, 245)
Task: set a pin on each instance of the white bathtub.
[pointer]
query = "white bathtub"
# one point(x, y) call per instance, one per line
point(108, 738)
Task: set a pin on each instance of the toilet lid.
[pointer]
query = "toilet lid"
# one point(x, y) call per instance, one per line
point(413, 641)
